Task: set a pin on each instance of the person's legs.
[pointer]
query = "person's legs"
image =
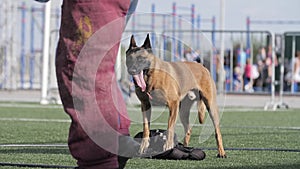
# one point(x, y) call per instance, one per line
point(82, 19)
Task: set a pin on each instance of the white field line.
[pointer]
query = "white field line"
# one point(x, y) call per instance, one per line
point(243, 127)
point(194, 109)
point(36, 120)
point(33, 145)
point(30, 106)
point(153, 124)
point(229, 109)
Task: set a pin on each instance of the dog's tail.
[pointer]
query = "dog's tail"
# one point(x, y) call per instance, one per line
point(201, 111)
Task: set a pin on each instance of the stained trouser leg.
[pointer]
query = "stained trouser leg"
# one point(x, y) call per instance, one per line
point(80, 21)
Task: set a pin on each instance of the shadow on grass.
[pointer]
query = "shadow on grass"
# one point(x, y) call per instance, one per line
point(281, 166)
point(197, 165)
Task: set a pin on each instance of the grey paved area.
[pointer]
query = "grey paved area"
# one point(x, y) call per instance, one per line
point(20, 96)
point(228, 100)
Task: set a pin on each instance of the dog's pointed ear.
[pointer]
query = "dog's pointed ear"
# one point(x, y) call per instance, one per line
point(132, 42)
point(147, 44)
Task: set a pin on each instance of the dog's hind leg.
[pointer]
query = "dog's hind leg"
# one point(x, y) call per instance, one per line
point(184, 112)
point(201, 111)
point(214, 115)
point(209, 98)
point(211, 105)
point(146, 110)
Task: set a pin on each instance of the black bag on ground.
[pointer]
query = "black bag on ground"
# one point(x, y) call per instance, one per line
point(179, 152)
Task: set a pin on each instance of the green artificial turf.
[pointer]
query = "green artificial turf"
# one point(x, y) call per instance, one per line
point(241, 128)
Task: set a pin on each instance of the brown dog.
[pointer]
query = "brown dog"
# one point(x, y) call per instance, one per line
point(175, 84)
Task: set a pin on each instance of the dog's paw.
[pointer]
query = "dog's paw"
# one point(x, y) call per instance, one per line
point(168, 145)
point(222, 155)
point(144, 145)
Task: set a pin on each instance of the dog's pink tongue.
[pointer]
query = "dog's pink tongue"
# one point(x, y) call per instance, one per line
point(139, 78)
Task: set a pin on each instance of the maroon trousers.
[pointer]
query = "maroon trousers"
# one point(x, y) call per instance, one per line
point(90, 35)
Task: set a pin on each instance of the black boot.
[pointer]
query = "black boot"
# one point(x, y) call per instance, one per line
point(128, 148)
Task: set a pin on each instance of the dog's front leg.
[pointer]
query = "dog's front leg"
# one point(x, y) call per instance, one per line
point(174, 108)
point(146, 110)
